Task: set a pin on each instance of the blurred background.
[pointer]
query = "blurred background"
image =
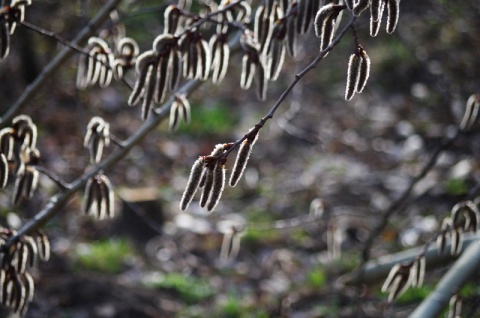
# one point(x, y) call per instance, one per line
point(351, 158)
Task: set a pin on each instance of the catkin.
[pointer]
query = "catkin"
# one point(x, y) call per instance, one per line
point(241, 160)
point(363, 71)
point(471, 113)
point(352, 75)
point(218, 185)
point(207, 188)
point(393, 10)
point(376, 7)
point(418, 272)
point(43, 245)
point(3, 171)
point(325, 21)
point(193, 183)
point(4, 39)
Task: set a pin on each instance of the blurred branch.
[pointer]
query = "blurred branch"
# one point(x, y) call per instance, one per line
point(401, 202)
point(48, 70)
point(376, 270)
point(451, 283)
point(58, 201)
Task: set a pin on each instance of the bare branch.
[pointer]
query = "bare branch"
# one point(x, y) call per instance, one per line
point(48, 70)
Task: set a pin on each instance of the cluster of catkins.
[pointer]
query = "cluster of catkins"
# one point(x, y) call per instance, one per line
point(182, 49)
point(100, 64)
point(402, 276)
point(10, 15)
point(208, 172)
point(464, 217)
point(18, 146)
point(16, 283)
point(359, 62)
point(99, 198)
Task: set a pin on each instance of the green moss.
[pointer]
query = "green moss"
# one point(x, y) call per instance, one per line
point(414, 295)
point(216, 119)
point(456, 187)
point(191, 289)
point(316, 278)
point(107, 256)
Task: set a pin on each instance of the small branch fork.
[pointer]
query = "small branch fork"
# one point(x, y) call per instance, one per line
point(252, 133)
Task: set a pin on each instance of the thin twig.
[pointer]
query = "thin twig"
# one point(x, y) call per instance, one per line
point(71, 45)
point(287, 91)
point(400, 203)
point(55, 64)
point(58, 181)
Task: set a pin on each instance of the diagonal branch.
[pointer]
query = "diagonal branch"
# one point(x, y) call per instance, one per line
point(48, 70)
point(401, 201)
point(58, 201)
point(466, 266)
point(377, 269)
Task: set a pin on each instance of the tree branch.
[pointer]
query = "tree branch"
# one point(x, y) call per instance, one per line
point(401, 201)
point(48, 70)
point(450, 283)
point(376, 270)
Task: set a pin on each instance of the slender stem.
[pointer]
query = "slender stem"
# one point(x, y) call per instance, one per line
point(400, 203)
point(287, 91)
point(55, 64)
point(71, 45)
point(58, 181)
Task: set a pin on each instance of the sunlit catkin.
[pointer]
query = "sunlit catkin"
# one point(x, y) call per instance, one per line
point(193, 183)
point(207, 187)
point(418, 272)
point(43, 245)
point(352, 75)
point(242, 160)
point(3, 171)
point(471, 113)
point(393, 11)
point(363, 71)
point(218, 185)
